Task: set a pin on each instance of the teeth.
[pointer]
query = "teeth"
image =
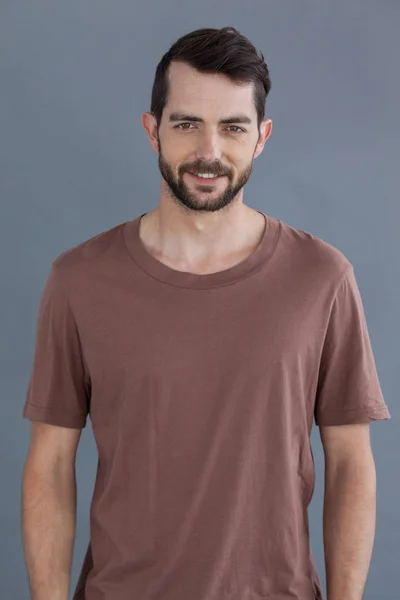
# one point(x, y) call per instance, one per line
point(206, 175)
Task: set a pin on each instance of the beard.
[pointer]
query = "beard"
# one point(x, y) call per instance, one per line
point(183, 195)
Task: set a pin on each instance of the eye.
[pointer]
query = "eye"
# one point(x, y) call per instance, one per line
point(180, 125)
point(236, 127)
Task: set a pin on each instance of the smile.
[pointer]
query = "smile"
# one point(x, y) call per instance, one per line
point(205, 180)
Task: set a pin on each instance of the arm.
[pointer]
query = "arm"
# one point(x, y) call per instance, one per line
point(49, 510)
point(349, 512)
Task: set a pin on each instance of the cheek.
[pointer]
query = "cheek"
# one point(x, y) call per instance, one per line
point(176, 154)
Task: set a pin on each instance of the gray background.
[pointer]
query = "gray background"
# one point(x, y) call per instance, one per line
point(75, 160)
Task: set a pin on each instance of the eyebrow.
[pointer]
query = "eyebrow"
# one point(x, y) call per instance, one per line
point(177, 116)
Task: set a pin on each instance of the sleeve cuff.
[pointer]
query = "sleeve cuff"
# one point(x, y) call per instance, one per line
point(37, 413)
point(353, 416)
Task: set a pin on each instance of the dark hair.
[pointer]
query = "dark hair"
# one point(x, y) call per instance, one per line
point(224, 51)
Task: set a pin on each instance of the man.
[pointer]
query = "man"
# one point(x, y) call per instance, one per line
point(202, 338)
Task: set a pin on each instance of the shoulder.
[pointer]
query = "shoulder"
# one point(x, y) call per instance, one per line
point(77, 263)
point(310, 255)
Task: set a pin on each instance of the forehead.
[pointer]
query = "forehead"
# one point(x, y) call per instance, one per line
point(207, 93)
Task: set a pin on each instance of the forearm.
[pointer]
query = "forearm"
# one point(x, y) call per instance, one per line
point(48, 531)
point(349, 518)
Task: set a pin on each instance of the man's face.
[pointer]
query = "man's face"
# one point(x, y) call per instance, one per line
point(187, 146)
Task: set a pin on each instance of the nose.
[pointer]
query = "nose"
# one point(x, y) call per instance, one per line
point(208, 146)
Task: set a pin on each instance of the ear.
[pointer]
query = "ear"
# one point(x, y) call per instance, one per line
point(265, 132)
point(150, 125)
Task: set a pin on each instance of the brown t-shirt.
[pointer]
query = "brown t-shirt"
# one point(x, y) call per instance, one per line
point(201, 391)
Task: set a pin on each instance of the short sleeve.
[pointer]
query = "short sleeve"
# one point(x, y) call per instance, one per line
point(59, 386)
point(348, 388)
